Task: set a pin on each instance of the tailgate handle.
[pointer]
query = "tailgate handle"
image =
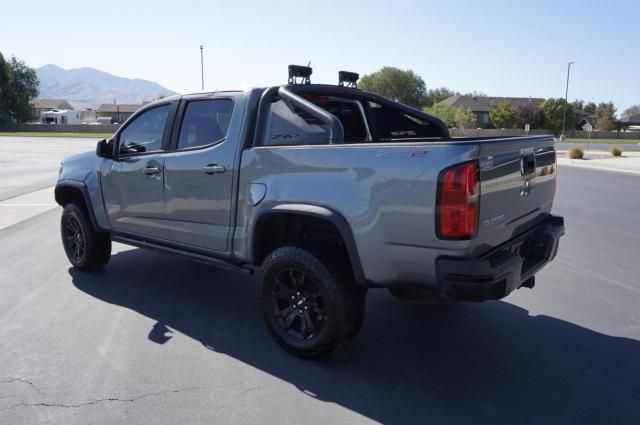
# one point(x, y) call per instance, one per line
point(527, 164)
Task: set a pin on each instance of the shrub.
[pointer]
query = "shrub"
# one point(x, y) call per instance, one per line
point(615, 151)
point(575, 153)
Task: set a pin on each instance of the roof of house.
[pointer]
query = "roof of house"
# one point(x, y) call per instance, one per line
point(583, 117)
point(49, 103)
point(121, 107)
point(630, 120)
point(482, 103)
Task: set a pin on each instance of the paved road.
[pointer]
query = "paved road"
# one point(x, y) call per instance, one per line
point(161, 340)
point(31, 163)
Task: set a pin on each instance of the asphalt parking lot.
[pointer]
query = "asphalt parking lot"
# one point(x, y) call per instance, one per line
point(160, 340)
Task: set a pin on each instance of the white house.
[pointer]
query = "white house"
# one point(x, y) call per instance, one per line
point(61, 116)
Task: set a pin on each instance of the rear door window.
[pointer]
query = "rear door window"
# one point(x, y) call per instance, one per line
point(205, 122)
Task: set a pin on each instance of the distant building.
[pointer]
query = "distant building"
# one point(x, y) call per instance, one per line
point(42, 105)
point(118, 112)
point(60, 116)
point(104, 120)
point(584, 120)
point(479, 105)
point(630, 123)
point(88, 115)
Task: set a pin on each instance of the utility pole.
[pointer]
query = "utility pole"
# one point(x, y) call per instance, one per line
point(566, 95)
point(202, 65)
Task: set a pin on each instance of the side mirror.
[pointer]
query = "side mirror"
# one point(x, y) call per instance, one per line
point(104, 149)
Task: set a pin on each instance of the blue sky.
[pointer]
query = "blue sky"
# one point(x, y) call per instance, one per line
point(502, 48)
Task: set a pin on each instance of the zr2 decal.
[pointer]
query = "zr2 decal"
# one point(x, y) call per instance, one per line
point(285, 136)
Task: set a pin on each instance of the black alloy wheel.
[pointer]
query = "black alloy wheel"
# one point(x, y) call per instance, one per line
point(73, 238)
point(310, 308)
point(297, 304)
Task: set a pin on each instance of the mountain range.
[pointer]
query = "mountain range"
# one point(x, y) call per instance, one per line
point(89, 87)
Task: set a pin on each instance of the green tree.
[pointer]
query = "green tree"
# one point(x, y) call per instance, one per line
point(453, 116)
point(553, 109)
point(402, 85)
point(475, 93)
point(502, 114)
point(590, 108)
point(465, 118)
point(444, 111)
point(18, 85)
point(578, 104)
point(605, 116)
point(529, 113)
point(4, 83)
point(632, 110)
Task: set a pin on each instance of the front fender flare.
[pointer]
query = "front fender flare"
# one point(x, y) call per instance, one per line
point(82, 188)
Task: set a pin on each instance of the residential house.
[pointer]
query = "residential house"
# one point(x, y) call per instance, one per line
point(630, 123)
point(584, 120)
point(479, 105)
point(118, 112)
point(42, 105)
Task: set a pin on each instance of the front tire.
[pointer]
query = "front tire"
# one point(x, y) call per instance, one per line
point(86, 249)
point(309, 309)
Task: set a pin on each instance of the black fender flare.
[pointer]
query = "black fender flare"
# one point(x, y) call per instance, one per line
point(322, 212)
point(79, 186)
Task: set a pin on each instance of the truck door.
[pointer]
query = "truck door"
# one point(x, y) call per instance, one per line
point(199, 171)
point(133, 185)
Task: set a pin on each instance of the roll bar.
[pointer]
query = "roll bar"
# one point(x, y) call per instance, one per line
point(272, 94)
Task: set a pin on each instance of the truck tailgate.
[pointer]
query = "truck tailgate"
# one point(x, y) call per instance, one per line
point(517, 186)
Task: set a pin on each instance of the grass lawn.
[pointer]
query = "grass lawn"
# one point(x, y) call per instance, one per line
point(51, 134)
point(612, 141)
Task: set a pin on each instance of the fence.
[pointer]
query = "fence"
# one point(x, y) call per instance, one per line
point(59, 128)
point(573, 134)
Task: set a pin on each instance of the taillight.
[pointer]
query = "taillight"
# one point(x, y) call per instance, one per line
point(458, 202)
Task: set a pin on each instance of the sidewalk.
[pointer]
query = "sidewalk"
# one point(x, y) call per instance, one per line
point(629, 162)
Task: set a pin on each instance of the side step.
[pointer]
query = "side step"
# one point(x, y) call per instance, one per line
point(203, 258)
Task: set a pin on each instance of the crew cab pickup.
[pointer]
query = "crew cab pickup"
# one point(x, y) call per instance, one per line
point(324, 191)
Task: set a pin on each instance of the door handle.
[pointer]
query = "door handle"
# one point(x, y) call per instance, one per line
point(150, 170)
point(213, 169)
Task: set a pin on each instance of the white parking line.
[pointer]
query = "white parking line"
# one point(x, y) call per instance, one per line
point(20, 208)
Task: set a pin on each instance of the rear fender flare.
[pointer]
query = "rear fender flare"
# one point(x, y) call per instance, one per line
point(322, 212)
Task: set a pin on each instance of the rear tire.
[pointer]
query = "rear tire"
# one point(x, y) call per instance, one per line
point(86, 249)
point(310, 310)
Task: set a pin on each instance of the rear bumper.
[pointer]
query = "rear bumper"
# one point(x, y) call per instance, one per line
point(503, 270)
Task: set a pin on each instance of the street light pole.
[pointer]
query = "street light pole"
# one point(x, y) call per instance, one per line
point(566, 95)
point(202, 66)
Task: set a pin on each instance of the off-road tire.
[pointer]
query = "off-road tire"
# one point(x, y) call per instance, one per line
point(341, 301)
point(86, 249)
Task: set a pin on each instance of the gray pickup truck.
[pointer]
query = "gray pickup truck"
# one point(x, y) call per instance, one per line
point(325, 191)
